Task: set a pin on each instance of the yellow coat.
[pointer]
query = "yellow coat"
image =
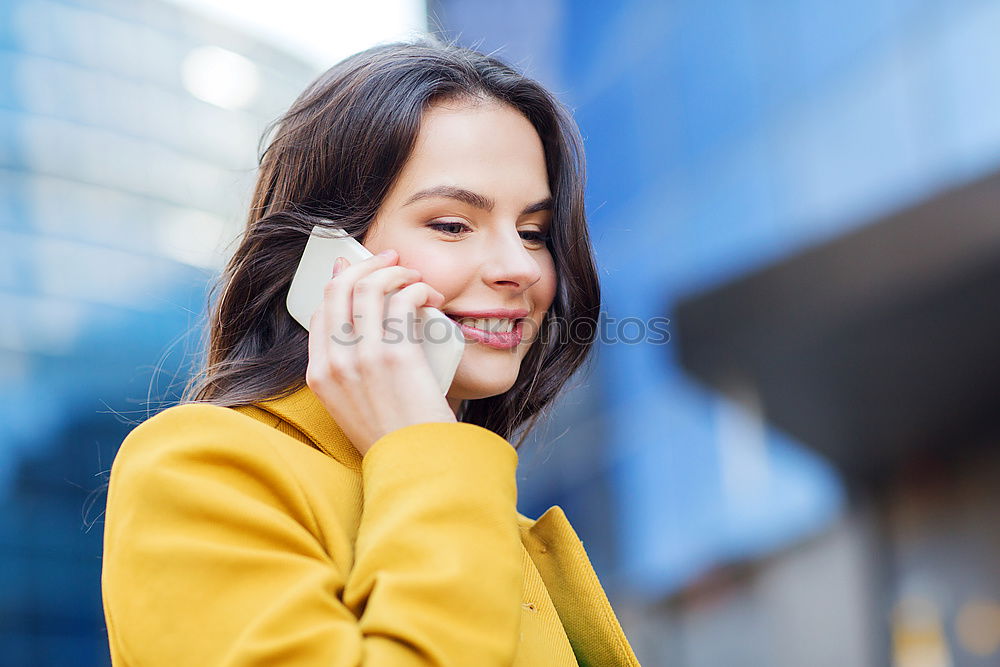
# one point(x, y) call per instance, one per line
point(228, 542)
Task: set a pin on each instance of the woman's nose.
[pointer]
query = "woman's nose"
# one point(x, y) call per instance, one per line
point(509, 263)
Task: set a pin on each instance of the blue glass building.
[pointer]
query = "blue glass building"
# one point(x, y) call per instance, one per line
point(119, 189)
point(722, 137)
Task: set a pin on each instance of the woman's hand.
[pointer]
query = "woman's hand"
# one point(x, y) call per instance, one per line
point(371, 385)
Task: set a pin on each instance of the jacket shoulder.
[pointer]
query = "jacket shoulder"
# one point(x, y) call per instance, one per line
point(200, 431)
point(189, 423)
point(196, 451)
point(200, 414)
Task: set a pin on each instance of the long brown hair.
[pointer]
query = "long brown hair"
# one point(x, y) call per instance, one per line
point(333, 156)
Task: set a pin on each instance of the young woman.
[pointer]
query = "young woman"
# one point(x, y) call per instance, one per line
point(320, 503)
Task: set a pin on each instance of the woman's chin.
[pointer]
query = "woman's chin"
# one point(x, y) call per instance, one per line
point(483, 380)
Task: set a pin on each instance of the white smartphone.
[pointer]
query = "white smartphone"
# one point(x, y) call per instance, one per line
point(441, 338)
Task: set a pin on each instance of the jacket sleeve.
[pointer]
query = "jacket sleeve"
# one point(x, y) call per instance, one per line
point(212, 555)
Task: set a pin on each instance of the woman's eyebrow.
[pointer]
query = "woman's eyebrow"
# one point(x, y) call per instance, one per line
point(472, 198)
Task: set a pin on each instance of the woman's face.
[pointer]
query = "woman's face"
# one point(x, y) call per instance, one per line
point(470, 210)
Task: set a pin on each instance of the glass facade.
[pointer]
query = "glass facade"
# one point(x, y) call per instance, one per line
point(721, 137)
point(120, 188)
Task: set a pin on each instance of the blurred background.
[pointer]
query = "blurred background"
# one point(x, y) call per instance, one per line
point(806, 473)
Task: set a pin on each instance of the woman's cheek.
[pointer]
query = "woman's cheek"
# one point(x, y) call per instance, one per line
point(546, 292)
point(437, 270)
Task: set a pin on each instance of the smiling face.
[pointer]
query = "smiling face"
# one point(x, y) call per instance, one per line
point(470, 210)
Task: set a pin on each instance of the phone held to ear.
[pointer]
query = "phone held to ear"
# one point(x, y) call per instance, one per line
point(441, 338)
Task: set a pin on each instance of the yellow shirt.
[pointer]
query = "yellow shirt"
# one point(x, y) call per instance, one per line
point(229, 542)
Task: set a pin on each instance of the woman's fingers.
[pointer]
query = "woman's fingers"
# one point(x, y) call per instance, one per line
point(358, 316)
point(332, 320)
point(338, 295)
point(402, 308)
point(338, 290)
point(369, 298)
point(417, 295)
point(315, 369)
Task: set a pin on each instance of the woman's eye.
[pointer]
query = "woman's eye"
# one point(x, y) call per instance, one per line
point(453, 228)
point(456, 228)
point(535, 236)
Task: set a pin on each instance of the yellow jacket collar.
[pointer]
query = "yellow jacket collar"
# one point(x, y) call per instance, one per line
point(303, 410)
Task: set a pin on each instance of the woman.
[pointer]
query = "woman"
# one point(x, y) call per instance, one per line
point(313, 502)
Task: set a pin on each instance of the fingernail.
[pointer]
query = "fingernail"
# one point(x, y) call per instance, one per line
point(386, 253)
point(338, 266)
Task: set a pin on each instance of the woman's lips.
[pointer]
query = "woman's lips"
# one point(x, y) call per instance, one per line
point(495, 339)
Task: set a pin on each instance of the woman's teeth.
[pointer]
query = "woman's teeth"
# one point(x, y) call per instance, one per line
point(496, 325)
